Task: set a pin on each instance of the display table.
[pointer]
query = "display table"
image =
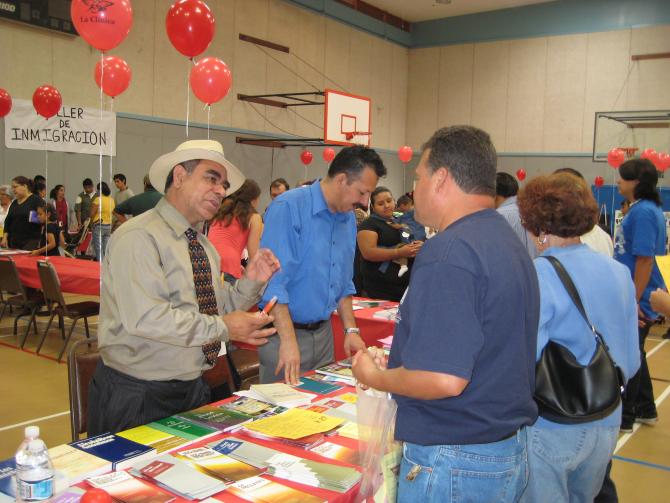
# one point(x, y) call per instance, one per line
point(326, 495)
point(75, 275)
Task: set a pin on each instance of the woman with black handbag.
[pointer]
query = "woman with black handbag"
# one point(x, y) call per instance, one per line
point(586, 348)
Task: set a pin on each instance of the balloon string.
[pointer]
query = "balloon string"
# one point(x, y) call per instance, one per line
point(111, 148)
point(99, 223)
point(612, 210)
point(188, 94)
point(209, 109)
point(46, 182)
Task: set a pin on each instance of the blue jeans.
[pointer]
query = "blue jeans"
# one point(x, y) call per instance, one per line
point(568, 464)
point(101, 232)
point(486, 473)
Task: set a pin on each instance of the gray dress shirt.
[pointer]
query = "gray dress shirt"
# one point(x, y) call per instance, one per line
point(510, 211)
point(150, 326)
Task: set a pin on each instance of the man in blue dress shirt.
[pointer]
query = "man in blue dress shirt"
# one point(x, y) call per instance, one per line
point(312, 231)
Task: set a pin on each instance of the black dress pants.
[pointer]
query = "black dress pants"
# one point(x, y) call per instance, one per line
point(117, 401)
point(638, 400)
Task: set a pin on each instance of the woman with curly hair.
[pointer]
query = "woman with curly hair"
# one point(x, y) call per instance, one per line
point(569, 461)
point(235, 227)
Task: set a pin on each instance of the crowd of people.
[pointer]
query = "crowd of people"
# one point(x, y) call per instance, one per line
point(478, 265)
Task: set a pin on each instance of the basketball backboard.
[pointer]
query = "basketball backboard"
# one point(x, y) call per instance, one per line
point(635, 130)
point(346, 119)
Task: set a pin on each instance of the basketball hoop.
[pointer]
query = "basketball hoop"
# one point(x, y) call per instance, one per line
point(629, 151)
point(349, 135)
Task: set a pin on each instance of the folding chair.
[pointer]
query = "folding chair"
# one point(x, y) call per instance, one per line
point(26, 301)
point(219, 377)
point(80, 368)
point(57, 305)
point(79, 243)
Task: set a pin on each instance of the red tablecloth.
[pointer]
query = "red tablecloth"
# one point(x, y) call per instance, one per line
point(372, 329)
point(76, 276)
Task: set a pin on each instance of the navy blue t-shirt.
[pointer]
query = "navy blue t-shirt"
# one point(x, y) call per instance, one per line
point(472, 311)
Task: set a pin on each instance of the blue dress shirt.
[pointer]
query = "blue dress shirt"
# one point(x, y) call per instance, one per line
point(315, 247)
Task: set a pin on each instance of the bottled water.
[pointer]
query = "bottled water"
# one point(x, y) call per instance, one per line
point(34, 472)
point(29, 433)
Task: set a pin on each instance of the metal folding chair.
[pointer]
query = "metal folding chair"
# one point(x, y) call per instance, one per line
point(55, 301)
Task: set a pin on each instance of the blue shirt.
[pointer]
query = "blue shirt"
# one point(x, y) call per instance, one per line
point(608, 295)
point(471, 311)
point(315, 247)
point(510, 210)
point(643, 236)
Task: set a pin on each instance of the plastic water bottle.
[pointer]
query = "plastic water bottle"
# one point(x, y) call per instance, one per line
point(29, 433)
point(34, 472)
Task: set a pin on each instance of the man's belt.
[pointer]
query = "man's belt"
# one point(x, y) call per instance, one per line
point(309, 326)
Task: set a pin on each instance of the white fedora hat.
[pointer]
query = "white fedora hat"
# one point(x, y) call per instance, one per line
point(190, 150)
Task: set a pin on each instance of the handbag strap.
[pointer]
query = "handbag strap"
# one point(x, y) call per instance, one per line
point(571, 289)
point(574, 295)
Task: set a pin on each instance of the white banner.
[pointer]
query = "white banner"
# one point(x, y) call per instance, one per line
point(73, 129)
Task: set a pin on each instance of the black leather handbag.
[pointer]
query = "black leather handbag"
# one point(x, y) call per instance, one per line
point(567, 392)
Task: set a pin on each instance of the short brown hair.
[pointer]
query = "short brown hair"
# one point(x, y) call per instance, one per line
point(560, 204)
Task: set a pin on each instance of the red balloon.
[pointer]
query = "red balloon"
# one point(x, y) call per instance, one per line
point(616, 157)
point(663, 161)
point(210, 79)
point(648, 153)
point(599, 181)
point(103, 24)
point(96, 495)
point(328, 154)
point(116, 75)
point(521, 174)
point(190, 26)
point(47, 101)
point(405, 154)
point(5, 103)
point(306, 157)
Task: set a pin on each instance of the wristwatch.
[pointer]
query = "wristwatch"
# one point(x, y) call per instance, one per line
point(353, 330)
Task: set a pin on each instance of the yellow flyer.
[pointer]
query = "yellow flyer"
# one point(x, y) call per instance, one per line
point(663, 262)
point(294, 423)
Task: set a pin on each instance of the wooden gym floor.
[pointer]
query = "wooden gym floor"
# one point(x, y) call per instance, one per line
point(34, 390)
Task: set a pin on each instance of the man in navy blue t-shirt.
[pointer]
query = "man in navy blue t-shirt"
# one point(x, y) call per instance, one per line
point(462, 364)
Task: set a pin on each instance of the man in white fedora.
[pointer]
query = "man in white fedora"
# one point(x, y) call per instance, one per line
point(164, 310)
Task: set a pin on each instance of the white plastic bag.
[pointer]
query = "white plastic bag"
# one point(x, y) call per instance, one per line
point(380, 454)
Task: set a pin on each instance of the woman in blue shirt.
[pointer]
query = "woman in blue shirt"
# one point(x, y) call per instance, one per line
point(643, 238)
point(568, 461)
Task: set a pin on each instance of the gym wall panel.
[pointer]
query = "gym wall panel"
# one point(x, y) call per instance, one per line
point(398, 106)
point(360, 60)
point(607, 66)
point(281, 67)
point(249, 65)
point(423, 85)
point(336, 60)
point(490, 90)
point(223, 47)
point(381, 80)
point(310, 47)
point(649, 86)
point(455, 90)
point(564, 94)
point(525, 96)
point(30, 60)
